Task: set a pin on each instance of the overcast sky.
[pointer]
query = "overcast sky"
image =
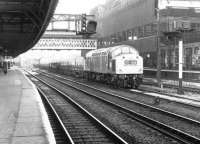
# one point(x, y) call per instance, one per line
point(76, 6)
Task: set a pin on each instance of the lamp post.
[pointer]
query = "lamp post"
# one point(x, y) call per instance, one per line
point(180, 66)
point(158, 75)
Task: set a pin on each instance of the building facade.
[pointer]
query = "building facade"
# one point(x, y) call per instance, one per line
point(135, 22)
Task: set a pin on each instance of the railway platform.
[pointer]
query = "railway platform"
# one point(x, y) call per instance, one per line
point(23, 119)
point(170, 93)
point(188, 75)
point(188, 84)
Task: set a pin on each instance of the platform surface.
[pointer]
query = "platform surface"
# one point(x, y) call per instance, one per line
point(190, 98)
point(23, 119)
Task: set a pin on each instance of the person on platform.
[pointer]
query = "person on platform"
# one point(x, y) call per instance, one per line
point(5, 67)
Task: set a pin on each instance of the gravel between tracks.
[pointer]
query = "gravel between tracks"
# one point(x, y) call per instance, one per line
point(131, 130)
point(82, 129)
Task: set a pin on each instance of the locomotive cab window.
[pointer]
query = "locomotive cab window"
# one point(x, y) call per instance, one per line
point(124, 50)
point(116, 52)
point(133, 51)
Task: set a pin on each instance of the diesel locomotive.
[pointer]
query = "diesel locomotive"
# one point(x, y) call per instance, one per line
point(119, 65)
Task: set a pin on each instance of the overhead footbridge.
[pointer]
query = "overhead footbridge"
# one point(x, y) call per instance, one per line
point(22, 23)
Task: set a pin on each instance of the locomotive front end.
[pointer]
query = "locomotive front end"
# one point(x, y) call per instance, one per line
point(129, 64)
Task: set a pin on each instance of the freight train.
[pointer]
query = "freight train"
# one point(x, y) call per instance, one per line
point(120, 66)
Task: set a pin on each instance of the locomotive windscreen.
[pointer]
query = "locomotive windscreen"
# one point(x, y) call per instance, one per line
point(124, 49)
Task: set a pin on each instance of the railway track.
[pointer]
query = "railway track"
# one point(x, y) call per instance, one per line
point(128, 91)
point(163, 128)
point(61, 134)
point(141, 92)
point(78, 124)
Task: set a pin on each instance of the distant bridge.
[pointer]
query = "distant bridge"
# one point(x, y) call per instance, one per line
point(64, 41)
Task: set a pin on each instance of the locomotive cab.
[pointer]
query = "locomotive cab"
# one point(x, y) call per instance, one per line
point(125, 60)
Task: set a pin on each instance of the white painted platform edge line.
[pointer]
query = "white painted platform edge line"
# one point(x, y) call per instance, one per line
point(47, 126)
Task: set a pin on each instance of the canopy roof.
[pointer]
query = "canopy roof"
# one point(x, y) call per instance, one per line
point(22, 22)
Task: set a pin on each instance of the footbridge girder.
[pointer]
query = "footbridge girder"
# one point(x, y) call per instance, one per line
point(65, 44)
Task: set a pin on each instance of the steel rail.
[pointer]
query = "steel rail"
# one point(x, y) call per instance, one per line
point(163, 128)
point(56, 117)
point(107, 130)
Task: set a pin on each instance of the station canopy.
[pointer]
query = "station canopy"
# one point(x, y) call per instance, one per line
point(22, 22)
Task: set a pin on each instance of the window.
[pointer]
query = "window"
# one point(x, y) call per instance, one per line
point(116, 52)
point(148, 30)
point(195, 26)
point(125, 50)
point(141, 31)
point(196, 50)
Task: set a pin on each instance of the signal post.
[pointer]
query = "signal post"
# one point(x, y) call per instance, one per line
point(172, 36)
